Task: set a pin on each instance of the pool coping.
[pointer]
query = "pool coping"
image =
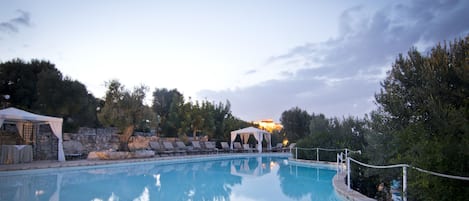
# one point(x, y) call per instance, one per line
point(48, 164)
point(338, 181)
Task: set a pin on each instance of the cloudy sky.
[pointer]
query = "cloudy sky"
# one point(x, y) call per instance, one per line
point(264, 56)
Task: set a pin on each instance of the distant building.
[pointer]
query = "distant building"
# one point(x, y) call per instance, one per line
point(268, 125)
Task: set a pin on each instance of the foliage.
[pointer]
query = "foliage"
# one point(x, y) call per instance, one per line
point(295, 123)
point(232, 123)
point(333, 134)
point(167, 105)
point(181, 118)
point(424, 104)
point(123, 107)
point(39, 87)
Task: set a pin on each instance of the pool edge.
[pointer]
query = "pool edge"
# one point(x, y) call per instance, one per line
point(48, 165)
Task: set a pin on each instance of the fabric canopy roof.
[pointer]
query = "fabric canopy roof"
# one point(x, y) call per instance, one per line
point(18, 117)
point(257, 133)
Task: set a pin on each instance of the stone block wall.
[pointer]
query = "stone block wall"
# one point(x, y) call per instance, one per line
point(103, 139)
point(95, 139)
point(46, 144)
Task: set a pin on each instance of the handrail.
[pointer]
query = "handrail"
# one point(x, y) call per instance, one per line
point(415, 168)
point(440, 174)
point(340, 160)
point(347, 151)
point(322, 149)
point(378, 166)
point(404, 173)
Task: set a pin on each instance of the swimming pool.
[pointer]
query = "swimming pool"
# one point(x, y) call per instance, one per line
point(242, 178)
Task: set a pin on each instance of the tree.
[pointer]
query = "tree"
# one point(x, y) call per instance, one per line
point(180, 118)
point(334, 134)
point(18, 79)
point(295, 123)
point(424, 102)
point(166, 105)
point(124, 109)
point(39, 87)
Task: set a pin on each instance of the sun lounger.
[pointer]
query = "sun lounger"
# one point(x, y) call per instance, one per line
point(211, 147)
point(180, 145)
point(278, 147)
point(198, 147)
point(225, 147)
point(237, 147)
point(289, 148)
point(156, 146)
point(168, 146)
point(246, 148)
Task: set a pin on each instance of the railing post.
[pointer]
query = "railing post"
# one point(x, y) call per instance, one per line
point(317, 154)
point(296, 153)
point(346, 153)
point(348, 173)
point(404, 183)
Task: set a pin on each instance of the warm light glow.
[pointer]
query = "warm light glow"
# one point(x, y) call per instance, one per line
point(285, 142)
point(268, 124)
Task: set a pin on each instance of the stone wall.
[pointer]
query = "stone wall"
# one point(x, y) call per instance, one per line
point(93, 139)
point(104, 139)
point(86, 140)
point(46, 144)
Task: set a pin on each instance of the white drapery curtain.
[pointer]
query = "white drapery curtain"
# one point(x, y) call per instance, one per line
point(19, 127)
point(268, 138)
point(246, 132)
point(245, 137)
point(258, 137)
point(233, 137)
point(57, 130)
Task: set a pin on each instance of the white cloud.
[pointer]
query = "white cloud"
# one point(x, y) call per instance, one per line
point(337, 77)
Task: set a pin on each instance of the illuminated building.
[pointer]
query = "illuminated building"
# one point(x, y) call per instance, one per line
point(268, 124)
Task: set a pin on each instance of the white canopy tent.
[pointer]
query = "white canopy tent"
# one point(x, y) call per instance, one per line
point(19, 117)
point(257, 133)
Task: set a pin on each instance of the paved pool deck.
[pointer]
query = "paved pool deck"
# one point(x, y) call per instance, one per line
point(44, 164)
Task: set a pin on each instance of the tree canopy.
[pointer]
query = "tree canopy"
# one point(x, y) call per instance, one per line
point(424, 104)
point(179, 117)
point(40, 87)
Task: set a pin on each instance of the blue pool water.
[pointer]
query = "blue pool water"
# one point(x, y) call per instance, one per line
point(245, 179)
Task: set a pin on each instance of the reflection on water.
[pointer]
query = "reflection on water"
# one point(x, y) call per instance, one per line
point(254, 178)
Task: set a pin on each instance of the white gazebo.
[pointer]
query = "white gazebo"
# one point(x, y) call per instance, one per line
point(20, 117)
point(257, 133)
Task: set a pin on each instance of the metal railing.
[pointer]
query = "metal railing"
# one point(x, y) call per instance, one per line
point(344, 157)
point(404, 173)
point(317, 149)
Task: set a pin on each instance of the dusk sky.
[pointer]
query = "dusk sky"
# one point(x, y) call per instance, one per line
point(264, 56)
